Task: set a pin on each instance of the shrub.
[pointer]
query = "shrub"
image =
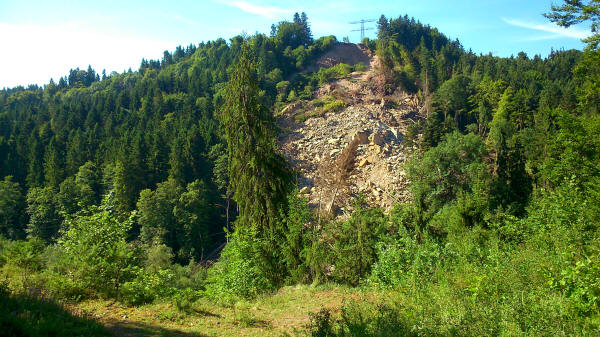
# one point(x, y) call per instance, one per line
point(23, 262)
point(360, 67)
point(581, 284)
point(334, 106)
point(403, 260)
point(339, 70)
point(184, 299)
point(360, 319)
point(298, 222)
point(146, 287)
point(158, 257)
point(237, 274)
point(348, 249)
point(193, 275)
point(97, 254)
point(453, 170)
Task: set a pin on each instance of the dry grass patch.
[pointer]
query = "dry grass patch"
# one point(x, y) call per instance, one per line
point(285, 311)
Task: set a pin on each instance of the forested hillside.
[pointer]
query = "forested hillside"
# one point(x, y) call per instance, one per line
point(149, 139)
point(125, 186)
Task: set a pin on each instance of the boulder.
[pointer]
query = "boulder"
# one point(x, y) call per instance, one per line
point(376, 138)
point(361, 137)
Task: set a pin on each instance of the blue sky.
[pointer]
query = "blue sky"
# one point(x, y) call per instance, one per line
point(43, 39)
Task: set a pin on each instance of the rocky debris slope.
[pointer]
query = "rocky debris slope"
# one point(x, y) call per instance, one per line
point(357, 150)
point(348, 53)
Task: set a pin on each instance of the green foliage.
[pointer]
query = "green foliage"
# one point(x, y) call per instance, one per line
point(453, 170)
point(176, 217)
point(27, 316)
point(238, 273)
point(500, 238)
point(43, 211)
point(571, 153)
point(259, 176)
point(360, 320)
point(334, 106)
point(452, 100)
point(581, 284)
point(155, 213)
point(354, 242)
point(587, 72)
point(338, 71)
point(147, 286)
point(160, 279)
point(184, 299)
point(21, 263)
point(12, 204)
point(574, 12)
point(403, 261)
point(300, 227)
point(158, 257)
point(98, 257)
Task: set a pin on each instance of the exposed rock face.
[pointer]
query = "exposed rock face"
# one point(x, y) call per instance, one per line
point(359, 149)
point(348, 53)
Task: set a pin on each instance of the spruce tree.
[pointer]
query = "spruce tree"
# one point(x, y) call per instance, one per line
point(260, 178)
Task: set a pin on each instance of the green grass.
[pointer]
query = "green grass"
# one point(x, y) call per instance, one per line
point(286, 311)
point(322, 105)
point(26, 316)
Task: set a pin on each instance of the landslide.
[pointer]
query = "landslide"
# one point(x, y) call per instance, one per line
point(358, 146)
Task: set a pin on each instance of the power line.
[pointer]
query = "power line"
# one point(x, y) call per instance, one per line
point(362, 27)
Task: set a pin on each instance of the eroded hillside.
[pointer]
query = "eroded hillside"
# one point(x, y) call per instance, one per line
point(348, 140)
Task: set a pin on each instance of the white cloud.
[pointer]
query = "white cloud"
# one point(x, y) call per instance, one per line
point(32, 54)
point(265, 11)
point(557, 32)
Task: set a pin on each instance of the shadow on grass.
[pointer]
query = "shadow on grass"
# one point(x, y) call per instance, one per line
point(254, 323)
point(27, 316)
point(206, 313)
point(23, 316)
point(134, 329)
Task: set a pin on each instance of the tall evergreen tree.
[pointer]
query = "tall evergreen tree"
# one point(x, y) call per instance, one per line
point(260, 178)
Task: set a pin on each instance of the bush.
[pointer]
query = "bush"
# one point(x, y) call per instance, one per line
point(339, 70)
point(192, 275)
point(404, 260)
point(299, 224)
point(146, 287)
point(360, 67)
point(158, 257)
point(363, 319)
point(22, 263)
point(237, 274)
point(97, 254)
point(334, 106)
point(184, 299)
point(346, 250)
point(453, 171)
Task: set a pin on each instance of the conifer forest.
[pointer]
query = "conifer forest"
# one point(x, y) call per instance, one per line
point(208, 193)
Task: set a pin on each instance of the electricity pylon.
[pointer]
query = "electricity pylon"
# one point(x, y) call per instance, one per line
point(362, 27)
